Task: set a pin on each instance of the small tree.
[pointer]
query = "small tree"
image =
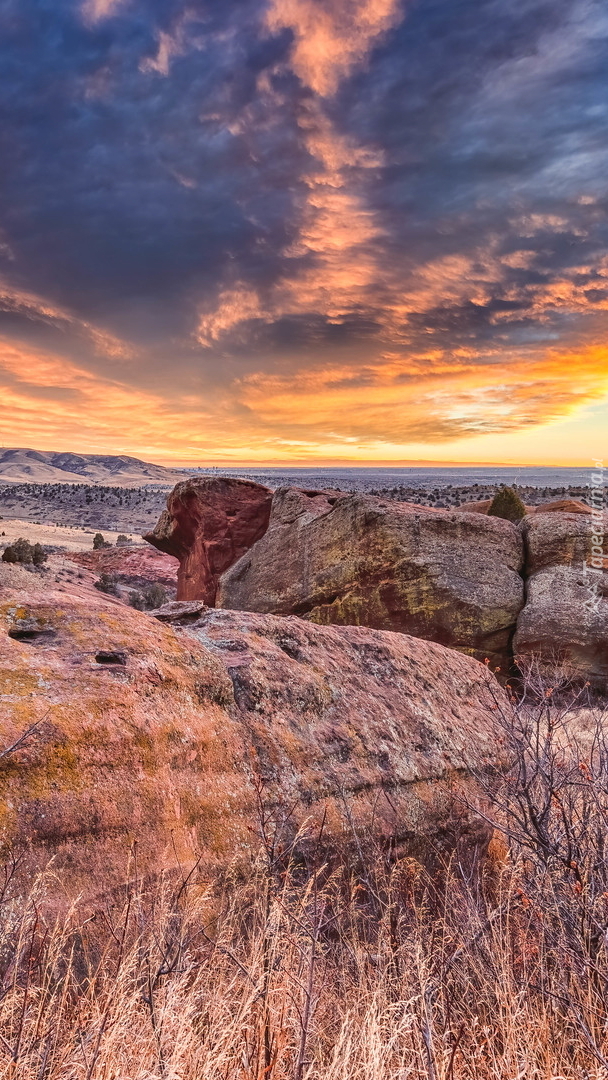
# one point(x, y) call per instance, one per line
point(107, 583)
point(507, 504)
point(99, 542)
point(122, 540)
point(21, 551)
point(155, 595)
point(39, 555)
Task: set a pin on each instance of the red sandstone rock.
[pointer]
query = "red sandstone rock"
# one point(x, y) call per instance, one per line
point(154, 736)
point(481, 506)
point(443, 575)
point(484, 505)
point(561, 506)
point(208, 524)
point(138, 565)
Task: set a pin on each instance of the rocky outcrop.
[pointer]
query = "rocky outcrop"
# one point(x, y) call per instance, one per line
point(561, 506)
point(563, 628)
point(480, 506)
point(345, 559)
point(136, 566)
point(149, 743)
point(556, 506)
point(208, 524)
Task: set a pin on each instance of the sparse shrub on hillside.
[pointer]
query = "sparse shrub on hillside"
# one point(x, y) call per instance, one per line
point(122, 540)
point(155, 595)
point(152, 596)
point(507, 504)
point(107, 583)
point(100, 542)
point(21, 551)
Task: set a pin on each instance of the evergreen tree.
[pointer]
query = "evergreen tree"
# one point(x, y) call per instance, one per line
point(507, 504)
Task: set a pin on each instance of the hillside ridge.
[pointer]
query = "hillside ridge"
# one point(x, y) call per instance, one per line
point(22, 464)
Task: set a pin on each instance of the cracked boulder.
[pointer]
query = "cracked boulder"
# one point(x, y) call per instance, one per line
point(352, 559)
point(562, 632)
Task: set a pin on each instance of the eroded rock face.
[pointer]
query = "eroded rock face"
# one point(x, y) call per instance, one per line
point(153, 735)
point(208, 524)
point(336, 558)
point(563, 627)
point(139, 566)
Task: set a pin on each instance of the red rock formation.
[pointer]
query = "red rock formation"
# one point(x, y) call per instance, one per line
point(139, 565)
point(480, 506)
point(443, 575)
point(561, 506)
point(484, 505)
point(153, 736)
point(208, 524)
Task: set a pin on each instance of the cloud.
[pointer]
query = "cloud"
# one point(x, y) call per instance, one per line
point(429, 400)
point(95, 10)
point(300, 223)
point(331, 38)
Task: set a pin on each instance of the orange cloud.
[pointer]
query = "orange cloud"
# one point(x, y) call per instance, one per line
point(431, 399)
point(331, 37)
point(95, 10)
point(339, 412)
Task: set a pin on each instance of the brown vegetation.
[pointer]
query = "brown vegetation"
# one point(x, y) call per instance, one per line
point(372, 971)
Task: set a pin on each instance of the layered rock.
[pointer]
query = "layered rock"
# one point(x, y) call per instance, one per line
point(152, 743)
point(336, 558)
point(208, 524)
point(563, 628)
point(137, 566)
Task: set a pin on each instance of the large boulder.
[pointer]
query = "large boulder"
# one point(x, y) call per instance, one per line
point(352, 559)
point(563, 629)
point(128, 746)
point(208, 524)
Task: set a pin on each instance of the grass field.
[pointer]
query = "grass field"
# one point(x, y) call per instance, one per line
point(373, 971)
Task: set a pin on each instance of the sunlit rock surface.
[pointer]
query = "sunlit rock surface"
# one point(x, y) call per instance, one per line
point(442, 575)
point(563, 628)
point(149, 746)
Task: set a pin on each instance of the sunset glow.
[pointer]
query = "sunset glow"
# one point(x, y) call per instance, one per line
point(297, 230)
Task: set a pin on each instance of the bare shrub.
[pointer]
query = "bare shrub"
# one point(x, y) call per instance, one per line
point(373, 971)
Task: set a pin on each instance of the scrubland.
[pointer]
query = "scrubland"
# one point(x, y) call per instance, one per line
point(366, 967)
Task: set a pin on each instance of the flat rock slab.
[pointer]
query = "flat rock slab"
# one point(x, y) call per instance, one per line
point(163, 736)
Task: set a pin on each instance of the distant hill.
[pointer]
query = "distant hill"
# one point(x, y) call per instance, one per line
point(45, 467)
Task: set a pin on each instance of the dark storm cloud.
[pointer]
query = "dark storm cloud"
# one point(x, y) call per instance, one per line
point(120, 182)
point(172, 177)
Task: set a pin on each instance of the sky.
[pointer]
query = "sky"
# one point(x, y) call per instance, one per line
point(305, 230)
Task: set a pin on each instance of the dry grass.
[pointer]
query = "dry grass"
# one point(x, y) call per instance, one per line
point(300, 973)
point(68, 537)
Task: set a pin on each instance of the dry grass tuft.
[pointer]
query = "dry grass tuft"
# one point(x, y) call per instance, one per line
point(303, 972)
